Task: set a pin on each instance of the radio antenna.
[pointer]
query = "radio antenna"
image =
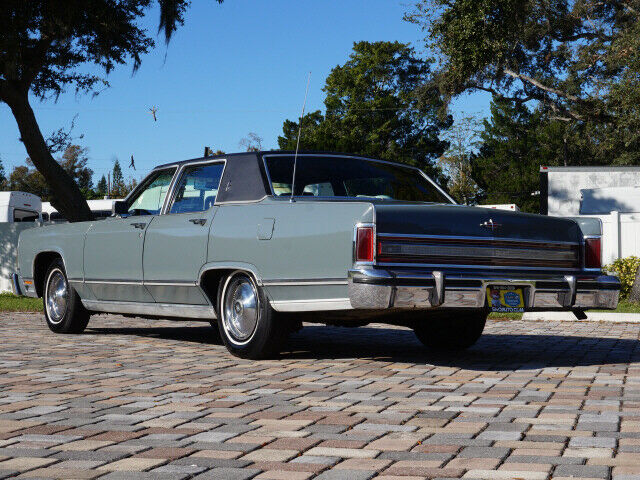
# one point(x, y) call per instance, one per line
point(295, 158)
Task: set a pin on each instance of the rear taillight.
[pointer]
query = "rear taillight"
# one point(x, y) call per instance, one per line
point(365, 244)
point(593, 252)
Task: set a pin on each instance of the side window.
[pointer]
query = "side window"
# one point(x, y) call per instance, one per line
point(150, 198)
point(197, 188)
point(24, 215)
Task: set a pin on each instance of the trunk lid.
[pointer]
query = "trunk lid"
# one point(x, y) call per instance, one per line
point(462, 221)
point(450, 235)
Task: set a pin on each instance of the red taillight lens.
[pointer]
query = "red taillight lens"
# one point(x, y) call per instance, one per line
point(592, 253)
point(365, 244)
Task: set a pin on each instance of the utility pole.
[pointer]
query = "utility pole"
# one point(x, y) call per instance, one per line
point(109, 184)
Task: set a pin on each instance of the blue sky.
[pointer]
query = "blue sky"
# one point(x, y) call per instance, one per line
point(231, 69)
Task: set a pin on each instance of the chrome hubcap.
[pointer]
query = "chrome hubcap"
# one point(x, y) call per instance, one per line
point(57, 296)
point(240, 309)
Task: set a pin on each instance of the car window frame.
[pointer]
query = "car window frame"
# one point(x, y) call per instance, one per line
point(142, 186)
point(176, 181)
point(273, 195)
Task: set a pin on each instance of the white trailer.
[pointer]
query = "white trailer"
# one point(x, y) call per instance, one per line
point(100, 208)
point(18, 207)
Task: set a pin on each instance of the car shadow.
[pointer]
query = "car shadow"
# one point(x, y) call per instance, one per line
point(506, 351)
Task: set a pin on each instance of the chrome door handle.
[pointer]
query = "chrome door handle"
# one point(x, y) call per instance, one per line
point(198, 221)
point(139, 225)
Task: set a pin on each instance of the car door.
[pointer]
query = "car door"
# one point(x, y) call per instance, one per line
point(176, 242)
point(113, 247)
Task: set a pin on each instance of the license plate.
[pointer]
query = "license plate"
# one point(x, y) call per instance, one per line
point(505, 299)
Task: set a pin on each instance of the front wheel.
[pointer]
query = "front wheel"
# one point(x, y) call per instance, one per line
point(455, 331)
point(247, 324)
point(63, 309)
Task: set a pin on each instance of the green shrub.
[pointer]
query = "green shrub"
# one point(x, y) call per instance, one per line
point(625, 269)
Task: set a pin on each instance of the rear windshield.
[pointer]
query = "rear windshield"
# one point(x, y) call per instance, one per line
point(350, 177)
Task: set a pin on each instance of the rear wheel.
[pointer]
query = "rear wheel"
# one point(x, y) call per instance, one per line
point(63, 309)
point(247, 323)
point(456, 331)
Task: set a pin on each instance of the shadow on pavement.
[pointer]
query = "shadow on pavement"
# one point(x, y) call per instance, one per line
point(492, 352)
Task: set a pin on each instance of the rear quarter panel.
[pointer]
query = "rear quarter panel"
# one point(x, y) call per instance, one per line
point(66, 239)
point(311, 240)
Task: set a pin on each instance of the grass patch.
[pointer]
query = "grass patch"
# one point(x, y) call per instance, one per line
point(623, 307)
point(12, 303)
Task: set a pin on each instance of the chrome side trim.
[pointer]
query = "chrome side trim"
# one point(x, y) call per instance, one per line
point(240, 202)
point(113, 282)
point(230, 266)
point(158, 309)
point(324, 304)
point(304, 282)
point(136, 282)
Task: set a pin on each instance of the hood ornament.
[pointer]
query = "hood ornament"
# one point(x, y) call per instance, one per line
point(491, 224)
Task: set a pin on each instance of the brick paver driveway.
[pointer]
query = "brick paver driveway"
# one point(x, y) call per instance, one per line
point(135, 398)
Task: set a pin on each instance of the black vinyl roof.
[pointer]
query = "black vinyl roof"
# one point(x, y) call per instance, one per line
point(244, 178)
point(260, 154)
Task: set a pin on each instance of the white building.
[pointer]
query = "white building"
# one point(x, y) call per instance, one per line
point(611, 194)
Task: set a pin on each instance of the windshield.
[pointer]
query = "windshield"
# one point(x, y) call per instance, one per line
point(320, 176)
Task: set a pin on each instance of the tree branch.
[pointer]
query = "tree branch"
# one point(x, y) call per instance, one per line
point(495, 92)
point(540, 85)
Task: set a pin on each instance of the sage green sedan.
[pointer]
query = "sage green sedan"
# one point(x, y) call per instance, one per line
point(245, 243)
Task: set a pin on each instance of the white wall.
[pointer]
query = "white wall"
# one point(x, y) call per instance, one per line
point(565, 184)
point(620, 231)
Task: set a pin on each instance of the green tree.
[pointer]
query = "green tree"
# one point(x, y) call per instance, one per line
point(372, 109)
point(514, 143)
point(463, 138)
point(578, 62)
point(48, 47)
point(3, 177)
point(102, 188)
point(74, 162)
point(118, 186)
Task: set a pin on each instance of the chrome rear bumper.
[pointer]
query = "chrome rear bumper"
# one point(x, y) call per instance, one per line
point(373, 288)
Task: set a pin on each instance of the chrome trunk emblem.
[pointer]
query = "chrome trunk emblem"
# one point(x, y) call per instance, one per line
point(491, 224)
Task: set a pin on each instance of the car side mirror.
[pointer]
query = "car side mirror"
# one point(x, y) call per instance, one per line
point(120, 208)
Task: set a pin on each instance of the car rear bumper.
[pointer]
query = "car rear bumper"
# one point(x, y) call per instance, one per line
point(376, 288)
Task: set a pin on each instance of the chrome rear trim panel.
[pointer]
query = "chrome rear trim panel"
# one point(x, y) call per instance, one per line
point(154, 309)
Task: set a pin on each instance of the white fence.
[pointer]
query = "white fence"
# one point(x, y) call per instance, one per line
point(620, 235)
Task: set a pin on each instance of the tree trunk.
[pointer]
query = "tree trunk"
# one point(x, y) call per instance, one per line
point(67, 198)
point(634, 294)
